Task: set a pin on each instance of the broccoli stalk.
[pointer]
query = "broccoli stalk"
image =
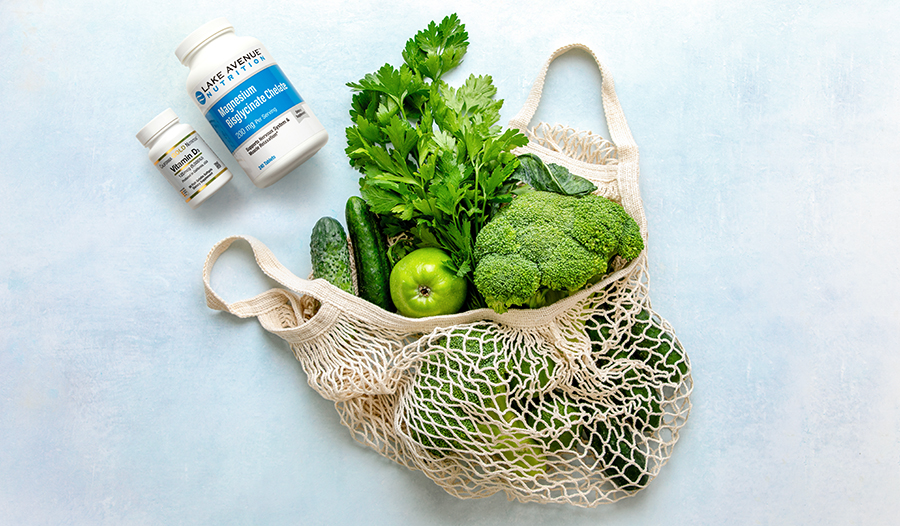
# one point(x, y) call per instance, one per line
point(514, 446)
point(544, 246)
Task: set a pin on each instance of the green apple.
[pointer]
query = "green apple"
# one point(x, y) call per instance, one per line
point(423, 284)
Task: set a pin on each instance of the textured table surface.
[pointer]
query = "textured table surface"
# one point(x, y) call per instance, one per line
point(770, 148)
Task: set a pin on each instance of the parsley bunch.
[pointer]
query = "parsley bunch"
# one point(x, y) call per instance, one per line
point(435, 163)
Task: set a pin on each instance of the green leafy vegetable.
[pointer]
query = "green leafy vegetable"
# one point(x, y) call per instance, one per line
point(435, 163)
point(437, 49)
point(550, 177)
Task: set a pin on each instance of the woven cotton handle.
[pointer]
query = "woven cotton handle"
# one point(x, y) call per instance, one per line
point(627, 166)
point(615, 118)
point(267, 262)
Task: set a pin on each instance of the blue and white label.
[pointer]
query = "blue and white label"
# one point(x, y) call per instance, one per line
point(252, 105)
point(255, 110)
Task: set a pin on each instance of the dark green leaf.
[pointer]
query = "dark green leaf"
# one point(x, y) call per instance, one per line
point(369, 131)
point(550, 177)
point(569, 183)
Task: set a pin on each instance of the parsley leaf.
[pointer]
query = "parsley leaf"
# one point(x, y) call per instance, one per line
point(435, 164)
point(438, 48)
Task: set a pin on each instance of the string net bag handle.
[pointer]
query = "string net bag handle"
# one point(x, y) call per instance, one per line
point(612, 165)
point(279, 310)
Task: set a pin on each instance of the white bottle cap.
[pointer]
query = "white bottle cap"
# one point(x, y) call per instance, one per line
point(155, 126)
point(200, 36)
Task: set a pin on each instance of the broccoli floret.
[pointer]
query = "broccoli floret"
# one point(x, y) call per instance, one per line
point(545, 246)
point(512, 276)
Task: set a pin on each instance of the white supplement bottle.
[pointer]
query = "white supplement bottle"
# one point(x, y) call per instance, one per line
point(250, 103)
point(184, 158)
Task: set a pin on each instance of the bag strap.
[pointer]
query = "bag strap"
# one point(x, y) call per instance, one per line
point(267, 301)
point(619, 132)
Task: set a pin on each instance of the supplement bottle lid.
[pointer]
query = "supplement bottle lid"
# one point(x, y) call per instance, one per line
point(155, 126)
point(201, 35)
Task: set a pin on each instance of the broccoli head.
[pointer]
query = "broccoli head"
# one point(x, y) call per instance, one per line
point(544, 246)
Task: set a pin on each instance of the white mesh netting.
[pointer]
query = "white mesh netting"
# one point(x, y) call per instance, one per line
point(582, 405)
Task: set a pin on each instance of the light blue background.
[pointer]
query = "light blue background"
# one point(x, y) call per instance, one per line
point(770, 148)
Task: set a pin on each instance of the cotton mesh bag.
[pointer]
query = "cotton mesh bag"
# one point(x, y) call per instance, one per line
point(580, 402)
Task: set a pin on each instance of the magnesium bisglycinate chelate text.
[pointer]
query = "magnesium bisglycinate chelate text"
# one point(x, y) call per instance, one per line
point(249, 102)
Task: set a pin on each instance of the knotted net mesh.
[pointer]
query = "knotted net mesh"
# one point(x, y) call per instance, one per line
point(582, 410)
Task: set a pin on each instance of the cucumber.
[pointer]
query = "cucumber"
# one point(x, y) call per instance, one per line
point(624, 465)
point(329, 253)
point(373, 271)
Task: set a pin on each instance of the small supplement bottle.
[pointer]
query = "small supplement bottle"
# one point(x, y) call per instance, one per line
point(184, 159)
point(247, 99)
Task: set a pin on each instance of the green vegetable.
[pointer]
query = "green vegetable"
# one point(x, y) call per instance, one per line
point(438, 48)
point(370, 254)
point(556, 418)
point(614, 445)
point(530, 372)
point(658, 347)
point(463, 403)
point(432, 156)
point(329, 253)
point(544, 246)
point(653, 357)
point(646, 341)
point(550, 177)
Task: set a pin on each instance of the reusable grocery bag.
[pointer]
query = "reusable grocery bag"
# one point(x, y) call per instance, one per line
point(579, 402)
